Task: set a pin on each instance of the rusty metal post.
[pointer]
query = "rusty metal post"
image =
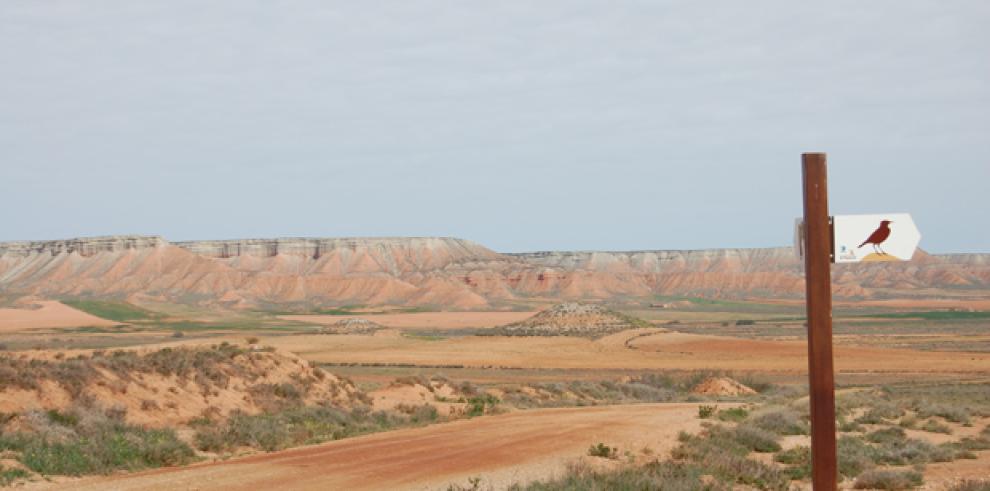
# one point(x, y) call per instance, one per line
point(818, 278)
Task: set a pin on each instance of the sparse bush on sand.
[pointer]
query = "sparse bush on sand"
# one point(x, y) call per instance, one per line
point(706, 411)
point(888, 479)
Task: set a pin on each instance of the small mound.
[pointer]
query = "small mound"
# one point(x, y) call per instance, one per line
point(722, 386)
point(573, 319)
point(352, 326)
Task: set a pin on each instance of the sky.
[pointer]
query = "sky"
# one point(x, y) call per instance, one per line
point(521, 125)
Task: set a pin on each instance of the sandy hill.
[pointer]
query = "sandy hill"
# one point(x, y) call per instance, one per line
point(573, 319)
point(434, 271)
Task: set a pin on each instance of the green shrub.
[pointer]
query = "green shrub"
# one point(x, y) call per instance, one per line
point(93, 443)
point(909, 421)
point(721, 455)
point(971, 485)
point(904, 452)
point(9, 476)
point(953, 413)
point(854, 456)
point(301, 425)
point(782, 421)
point(886, 435)
point(705, 411)
point(756, 439)
point(480, 405)
point(668, 476)
point(798, 460)
point(602, 450)
point(888, 479)
point(735, 414)
point(933, 426)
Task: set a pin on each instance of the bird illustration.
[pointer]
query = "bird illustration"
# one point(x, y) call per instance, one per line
point(878, 237)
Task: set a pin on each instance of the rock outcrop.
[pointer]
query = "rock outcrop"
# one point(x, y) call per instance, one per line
point(572, 319)
point(434, 271)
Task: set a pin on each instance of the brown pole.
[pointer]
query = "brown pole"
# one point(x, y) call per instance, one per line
point(818, 277)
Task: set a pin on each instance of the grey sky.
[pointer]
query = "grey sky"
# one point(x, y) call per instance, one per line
point(520, 125)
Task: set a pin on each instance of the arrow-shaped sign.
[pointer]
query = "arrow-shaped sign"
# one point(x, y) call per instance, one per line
point(869, 238)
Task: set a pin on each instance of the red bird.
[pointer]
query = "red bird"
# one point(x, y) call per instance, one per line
point(878, 237)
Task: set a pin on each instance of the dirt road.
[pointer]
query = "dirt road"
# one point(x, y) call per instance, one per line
point(514, 447)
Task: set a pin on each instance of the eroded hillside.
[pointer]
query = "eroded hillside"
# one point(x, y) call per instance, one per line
point(430, 271)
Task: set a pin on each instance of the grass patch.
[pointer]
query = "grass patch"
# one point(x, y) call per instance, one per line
point(115, 311)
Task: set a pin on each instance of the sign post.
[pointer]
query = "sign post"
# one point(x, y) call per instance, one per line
point(818, 257)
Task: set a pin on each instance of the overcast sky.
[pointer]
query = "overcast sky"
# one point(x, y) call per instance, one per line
point(527, 125)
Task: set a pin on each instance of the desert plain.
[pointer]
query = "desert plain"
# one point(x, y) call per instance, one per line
point(434, 363)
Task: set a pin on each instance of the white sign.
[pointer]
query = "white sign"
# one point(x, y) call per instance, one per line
point(868, 238)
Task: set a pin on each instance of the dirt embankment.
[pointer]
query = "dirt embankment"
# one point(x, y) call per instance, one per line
point(503, 449)
point(169, 386)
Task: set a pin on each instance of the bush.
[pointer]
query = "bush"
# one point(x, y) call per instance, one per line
point(888, 479)
point(602, 450)
point(798, 460)
point(87, 442)
point(668, 476)
point(719, 454)
point(705, 412)
point(854, 456)
point(933, 426)
point(781, 421)
point(301, 425)
point(9, 476)
point(971, 485)
point(904, 452)
point(951, 413)
point(735, 414)
point(886, 435)
point(756, 439)
point(480, 405)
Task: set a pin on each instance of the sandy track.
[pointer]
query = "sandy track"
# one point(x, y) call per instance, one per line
point(51, 314)
point(425, 320)
point(512, 447)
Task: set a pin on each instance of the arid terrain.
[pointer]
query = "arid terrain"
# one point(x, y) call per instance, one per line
point(429, 363)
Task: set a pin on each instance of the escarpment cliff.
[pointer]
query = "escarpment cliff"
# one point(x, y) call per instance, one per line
point(436, 271)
